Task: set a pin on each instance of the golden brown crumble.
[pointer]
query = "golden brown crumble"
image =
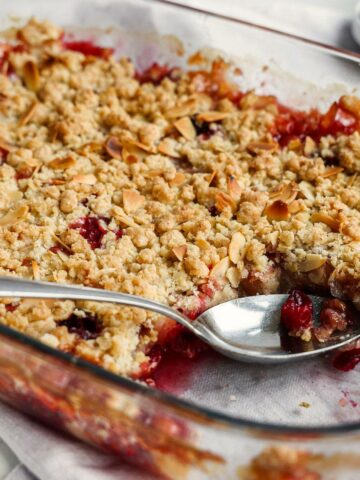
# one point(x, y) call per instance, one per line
point(185, 194)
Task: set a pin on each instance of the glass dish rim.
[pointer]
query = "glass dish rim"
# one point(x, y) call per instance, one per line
point(112, 379)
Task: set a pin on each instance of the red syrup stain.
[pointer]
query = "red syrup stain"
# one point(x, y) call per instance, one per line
point(348, 398)
point(88, 48)
point(347, 360)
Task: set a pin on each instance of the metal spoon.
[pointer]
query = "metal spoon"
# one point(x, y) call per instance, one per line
point(245, 329)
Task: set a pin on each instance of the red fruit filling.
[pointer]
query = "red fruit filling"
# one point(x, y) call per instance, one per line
point(156, 73)
point(92, 229)
point(291, 124)
point(205, 130)
point(87, 47)
point(347, 360)
point(297, 312)
point(59, 248)
point(88, 327)
point(335, 315)
point(5, 50)
point(11, 307)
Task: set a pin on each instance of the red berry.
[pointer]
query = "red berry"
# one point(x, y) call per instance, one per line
point(92, 229)
point(296, 313)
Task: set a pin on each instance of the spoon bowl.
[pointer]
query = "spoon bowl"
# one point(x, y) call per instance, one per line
point(246, 329)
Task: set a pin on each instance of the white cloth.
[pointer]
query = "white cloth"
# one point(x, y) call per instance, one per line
point(49, 455)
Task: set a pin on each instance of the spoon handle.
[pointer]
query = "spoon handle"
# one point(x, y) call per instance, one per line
point(14, 287)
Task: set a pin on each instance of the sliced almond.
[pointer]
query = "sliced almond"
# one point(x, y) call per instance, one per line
point(212, 116)
point(142, 146)
point(202, 243)
point(36, 270)
point(329, 172)
point(179, 252)
point(307, 190)
point(62, 163)
point(5, 145)
point(132, 200)
point(212, 177)
point(31, 76)
point(311, 262)
point(121, 216)
point(131, 157)
point(60, 242)
point(286, 193)
point(277, 211)
point(327, 219)
point(186, 128)
point(90, 147)
point(223, 200)
point(234, 276)
point(295, 145)
point(258, 147)
point(218, 272)
point(350, 103)
point(88, 179)
point(234, 188)
point(187, 108)
point(57, 181)
point(14, 216)
point(295, 207)
point(113, 147)
point(178, 180)
point(27, 116)
point(167, 147)
point(309, 146)
point(236, 246)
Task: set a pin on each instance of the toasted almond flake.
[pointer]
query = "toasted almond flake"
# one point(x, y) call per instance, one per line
point(5, 145)
point(62, 163)
point(258, 147)
point(96, 147)
point(186, 128)
point(311, 262)
point(187, 108)
point(277, 211)
point(57, 181)
point(351, 182)
point(167, 147)
point(121, 216)
point(154, 173)
point(212, 177)
point(202, 243)
point(212, 116)
point(307, 190)
point(295, 206)
point(88, 179)
point(36, 270)
point(132, 200)
point(309, 146)
point(286, 193)
point(236, 246)
point(179, 179)
point(351, 104)
point(295, 145)
point(27, 116)
point(179, 252)
point(132, 157)
point(113, 147)
point(223, 200)
point(58, 240)
point(327, 219)
point(14, 216)
point(142, 146)
point(329, 172)
point(31, 76)
point(218, 272)
point(234, 188)
point(234, 276)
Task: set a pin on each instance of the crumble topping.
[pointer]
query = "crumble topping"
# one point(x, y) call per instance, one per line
point(169, 184)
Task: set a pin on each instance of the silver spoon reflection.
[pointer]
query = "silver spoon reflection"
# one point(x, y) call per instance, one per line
point(245, 329)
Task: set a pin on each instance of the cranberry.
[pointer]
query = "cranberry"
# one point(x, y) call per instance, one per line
point(88, 327)
point(156, 73)
point(92, 229)
point(347, 360)
point(296, 313)
point(119, 233)
point(87, 47)
point(11, 307)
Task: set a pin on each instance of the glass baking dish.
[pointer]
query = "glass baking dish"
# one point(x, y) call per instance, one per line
point(214, 416)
